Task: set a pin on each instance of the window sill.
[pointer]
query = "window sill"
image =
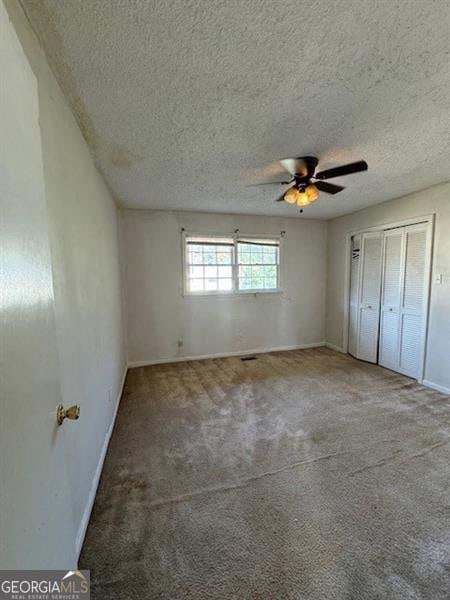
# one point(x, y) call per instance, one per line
point(232, 294)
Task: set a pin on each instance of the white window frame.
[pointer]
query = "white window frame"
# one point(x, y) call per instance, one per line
point(235, 271)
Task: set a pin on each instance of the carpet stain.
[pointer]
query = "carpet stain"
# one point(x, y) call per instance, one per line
point(134, 483)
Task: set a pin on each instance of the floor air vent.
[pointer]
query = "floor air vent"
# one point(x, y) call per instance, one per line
point(248, 357)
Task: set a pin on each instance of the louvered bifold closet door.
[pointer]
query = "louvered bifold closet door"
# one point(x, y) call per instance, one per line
point(354, 295)
point(369, 301)
point(393, 265)
point(413, 302)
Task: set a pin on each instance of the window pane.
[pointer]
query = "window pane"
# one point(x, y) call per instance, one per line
point(226, 284)
point(244, 255)
point(258, 268)
point(225, 257)
point(195, 272)
point(209, 264)
point(269, 256)
point(245, 283)
point(211, 272)
point(195, 248)
point(258, 283)
point(270, 272)
point(195, 285)
point(209, 256)
point(211, 285)
point(224, 272)
point(256, 257)
point(195, 258)
point(244, 272)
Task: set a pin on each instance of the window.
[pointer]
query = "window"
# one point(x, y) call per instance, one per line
point(226, 265)
point(258, 264)
point(209, 264)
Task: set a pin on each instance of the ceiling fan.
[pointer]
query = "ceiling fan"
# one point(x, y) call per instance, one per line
point(307, 183)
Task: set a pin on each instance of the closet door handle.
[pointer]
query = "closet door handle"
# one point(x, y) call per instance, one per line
point(370, 306)
point(391, 310)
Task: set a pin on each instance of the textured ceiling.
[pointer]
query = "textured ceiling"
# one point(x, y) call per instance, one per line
point(183, 102)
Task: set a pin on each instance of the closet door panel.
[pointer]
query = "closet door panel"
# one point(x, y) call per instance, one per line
point(354, 295)
point(392, 268)
point(369, 306)
point(370, 284)
point(391, 299)
point(389, 339)
point(410, 344)
point(368, 335)
point(414, 299)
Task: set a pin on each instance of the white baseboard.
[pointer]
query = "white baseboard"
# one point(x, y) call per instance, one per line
point(435, 386)
point(98, 471)
point(160, 361)
point(336, 348)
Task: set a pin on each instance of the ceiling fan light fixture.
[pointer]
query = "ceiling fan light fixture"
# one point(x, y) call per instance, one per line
point(291, 195)
point(312, 192)
point(302, 199)
point(303, 172)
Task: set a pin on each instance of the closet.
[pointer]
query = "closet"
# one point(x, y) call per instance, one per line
point(389, 283)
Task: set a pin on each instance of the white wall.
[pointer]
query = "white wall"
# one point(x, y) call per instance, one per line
point(158, 315)
point(435, 199)
point(82, 222)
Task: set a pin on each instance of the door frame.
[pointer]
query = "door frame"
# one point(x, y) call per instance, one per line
point(429, 219)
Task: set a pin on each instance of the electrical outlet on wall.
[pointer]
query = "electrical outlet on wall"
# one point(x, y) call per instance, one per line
point(109, 395)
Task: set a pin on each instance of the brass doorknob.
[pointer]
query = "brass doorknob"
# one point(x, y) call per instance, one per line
point(62, 413)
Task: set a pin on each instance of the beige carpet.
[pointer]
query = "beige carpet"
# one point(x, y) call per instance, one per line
point(304, 475)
